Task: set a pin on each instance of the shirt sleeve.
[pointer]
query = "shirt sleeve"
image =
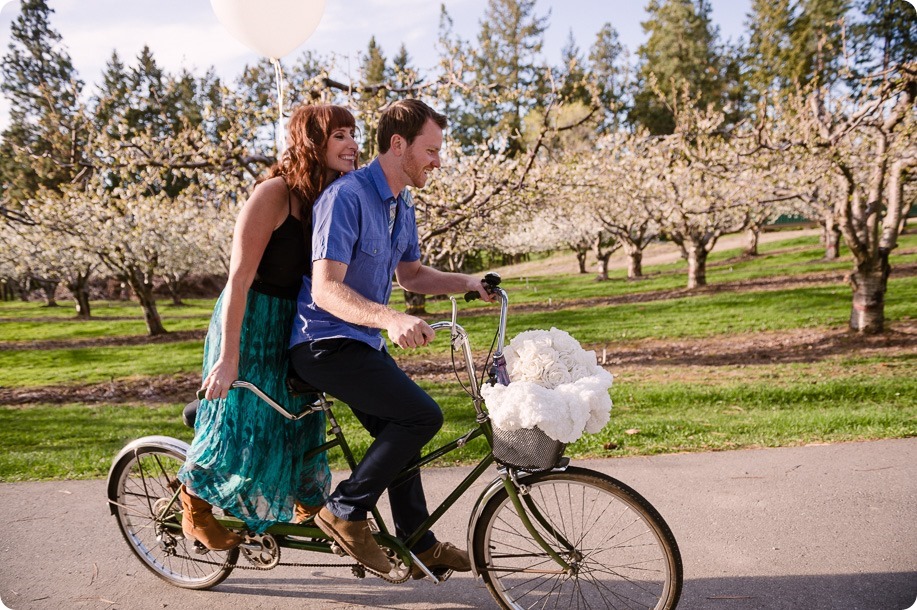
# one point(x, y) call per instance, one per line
point(336, 224)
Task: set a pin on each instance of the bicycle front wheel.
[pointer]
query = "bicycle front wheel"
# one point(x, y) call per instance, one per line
point(141, 485)
point(620, 551)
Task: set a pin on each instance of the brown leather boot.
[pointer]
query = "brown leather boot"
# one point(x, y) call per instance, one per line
point(303, 512)
point(356, 538)
point(198, 523)
point(442, 555)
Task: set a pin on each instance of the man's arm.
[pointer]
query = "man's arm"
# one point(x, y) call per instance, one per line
point(334, 296)
point(414, 277)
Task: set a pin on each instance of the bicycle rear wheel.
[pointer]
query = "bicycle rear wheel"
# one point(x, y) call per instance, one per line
point(141, 485)
point(621, 552)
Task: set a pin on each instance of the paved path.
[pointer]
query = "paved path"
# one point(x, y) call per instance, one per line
point(830, 527)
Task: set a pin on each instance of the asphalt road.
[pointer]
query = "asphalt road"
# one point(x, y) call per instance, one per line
point(828, 527)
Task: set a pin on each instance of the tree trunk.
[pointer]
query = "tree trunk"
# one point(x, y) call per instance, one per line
point(603, 259)
point(416, 303)
point(867, 314)
point(175, 283)
point(753, 235)
point(79, 287)
point(143, 288)
point(634, 263)
point(697, 266)
point(634, 260)
point(831, 236)
point(49, 287)
point(581, 259)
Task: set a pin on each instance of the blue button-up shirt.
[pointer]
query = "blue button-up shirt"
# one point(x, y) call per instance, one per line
point(350, 224)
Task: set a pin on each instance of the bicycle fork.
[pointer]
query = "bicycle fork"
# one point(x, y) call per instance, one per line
point(518, 493)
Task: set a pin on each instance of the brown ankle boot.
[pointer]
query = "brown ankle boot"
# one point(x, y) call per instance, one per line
point(303, 512)
point(197, 522)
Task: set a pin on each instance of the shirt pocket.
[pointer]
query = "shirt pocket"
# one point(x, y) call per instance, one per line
point(374, 258)
point(372, 248)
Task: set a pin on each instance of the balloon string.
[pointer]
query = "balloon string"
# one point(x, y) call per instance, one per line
point(281, 135)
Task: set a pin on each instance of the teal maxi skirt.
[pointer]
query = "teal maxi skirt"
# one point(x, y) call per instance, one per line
point(245, 457)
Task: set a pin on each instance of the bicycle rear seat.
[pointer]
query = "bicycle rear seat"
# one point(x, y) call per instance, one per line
point(189, 413)
point(298, 386)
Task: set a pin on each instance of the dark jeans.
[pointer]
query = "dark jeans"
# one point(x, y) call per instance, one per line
point(400, 416)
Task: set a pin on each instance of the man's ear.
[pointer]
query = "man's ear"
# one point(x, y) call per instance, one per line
point(397, 144)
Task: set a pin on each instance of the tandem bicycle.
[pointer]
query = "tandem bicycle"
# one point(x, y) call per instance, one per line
point(543, 533)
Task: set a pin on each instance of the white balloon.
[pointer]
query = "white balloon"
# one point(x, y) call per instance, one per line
point(270, 27)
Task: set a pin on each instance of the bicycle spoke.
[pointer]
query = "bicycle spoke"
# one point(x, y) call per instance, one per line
point(621, 555)
point(146, 484)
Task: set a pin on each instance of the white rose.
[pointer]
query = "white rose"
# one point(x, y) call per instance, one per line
point(556, 374)
point(587, 359)
point(563, 341)
point(567, 359)
point(578, 371)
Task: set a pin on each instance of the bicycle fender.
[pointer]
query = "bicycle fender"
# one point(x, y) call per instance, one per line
point(165, 442)
point(489, 492)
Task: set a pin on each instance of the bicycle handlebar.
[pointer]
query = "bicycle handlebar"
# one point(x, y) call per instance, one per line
point(490, 282)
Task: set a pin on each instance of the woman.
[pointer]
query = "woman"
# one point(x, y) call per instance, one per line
point(245, 457)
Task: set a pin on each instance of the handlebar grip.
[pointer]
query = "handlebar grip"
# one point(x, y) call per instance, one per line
point(490, 281)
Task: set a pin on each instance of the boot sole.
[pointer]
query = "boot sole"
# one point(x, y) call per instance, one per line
point(212, 548)
point(348, 548)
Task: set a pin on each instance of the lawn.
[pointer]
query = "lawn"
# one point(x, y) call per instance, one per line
point(659, 407)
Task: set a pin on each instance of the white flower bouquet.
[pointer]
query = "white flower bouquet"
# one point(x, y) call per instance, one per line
point(556, 386)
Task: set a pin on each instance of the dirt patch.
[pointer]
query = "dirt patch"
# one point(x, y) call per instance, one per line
point(170, 337)
point(646, 359)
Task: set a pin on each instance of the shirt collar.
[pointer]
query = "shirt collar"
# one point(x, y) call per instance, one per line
point(382, 187)
point(381, 184)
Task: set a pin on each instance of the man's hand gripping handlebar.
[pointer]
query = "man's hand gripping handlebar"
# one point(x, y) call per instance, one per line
point(490, 281)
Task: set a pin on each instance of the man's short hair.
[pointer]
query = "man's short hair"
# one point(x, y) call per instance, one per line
point(405, 118)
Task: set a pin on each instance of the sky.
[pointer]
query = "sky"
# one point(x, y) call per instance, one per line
point(187, 34)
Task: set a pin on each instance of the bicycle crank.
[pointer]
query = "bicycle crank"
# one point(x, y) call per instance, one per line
point(261, 550)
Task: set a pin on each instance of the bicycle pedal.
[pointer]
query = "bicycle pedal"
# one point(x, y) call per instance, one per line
point(337, 549)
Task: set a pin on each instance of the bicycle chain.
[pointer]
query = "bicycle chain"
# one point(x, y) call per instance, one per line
point(352, 566)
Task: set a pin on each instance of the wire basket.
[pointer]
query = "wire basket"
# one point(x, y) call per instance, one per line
point(526, 449)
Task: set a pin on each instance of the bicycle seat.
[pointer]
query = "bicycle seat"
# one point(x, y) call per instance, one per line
point(299, 386)
point(189, 413)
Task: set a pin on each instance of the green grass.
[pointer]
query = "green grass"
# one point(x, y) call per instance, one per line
point(31, 368)
point(852, 399)
point(694, 316)
point(34, 322)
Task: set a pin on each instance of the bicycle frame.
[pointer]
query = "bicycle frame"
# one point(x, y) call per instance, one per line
point(515, 543)
point(309, 537)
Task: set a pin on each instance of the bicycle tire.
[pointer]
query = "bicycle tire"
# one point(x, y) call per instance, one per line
point(624, 554)
point(140, 483)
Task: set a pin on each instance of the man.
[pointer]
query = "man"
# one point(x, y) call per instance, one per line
point(364, 232)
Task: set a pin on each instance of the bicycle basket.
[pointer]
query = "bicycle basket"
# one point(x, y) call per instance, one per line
point(526, 449)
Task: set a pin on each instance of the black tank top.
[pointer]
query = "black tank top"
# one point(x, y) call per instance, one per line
point(285, 259)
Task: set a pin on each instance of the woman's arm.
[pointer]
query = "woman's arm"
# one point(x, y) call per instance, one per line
point(264, 211)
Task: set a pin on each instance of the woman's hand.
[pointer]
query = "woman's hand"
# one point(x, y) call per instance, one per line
point(219, 381)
